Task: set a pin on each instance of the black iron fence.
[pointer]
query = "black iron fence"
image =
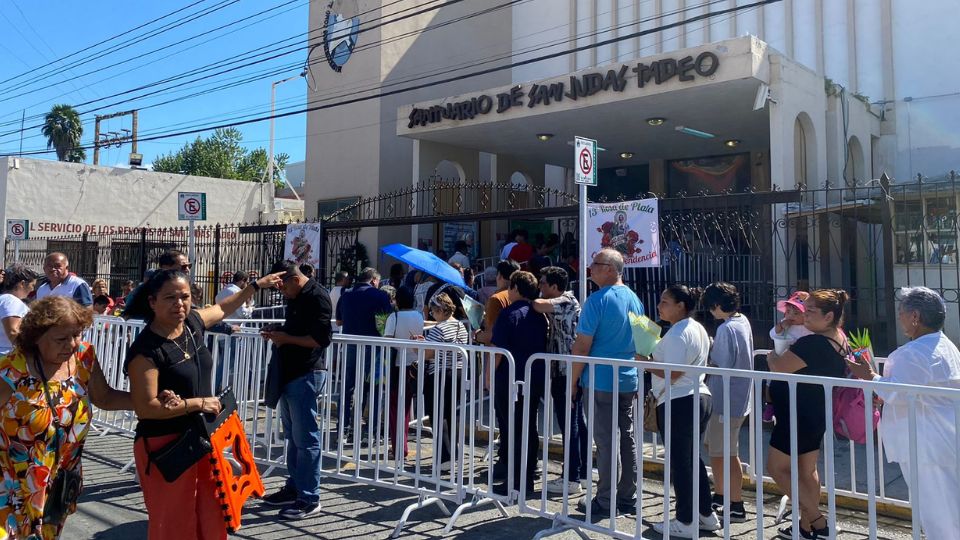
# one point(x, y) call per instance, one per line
point(868, 239)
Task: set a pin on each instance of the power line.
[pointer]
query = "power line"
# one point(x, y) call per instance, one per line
point(240, 57)
point(235, 68)
point(153, 33)
point(97, 44)
point(481, 72)
point(355, 90)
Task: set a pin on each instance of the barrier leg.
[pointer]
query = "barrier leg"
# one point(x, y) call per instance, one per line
point(558, 526)
point(475, 503)
point(126, 467)
point(422, 503)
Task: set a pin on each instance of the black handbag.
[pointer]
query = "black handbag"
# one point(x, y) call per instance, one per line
point(190, 447)
point(64, 490)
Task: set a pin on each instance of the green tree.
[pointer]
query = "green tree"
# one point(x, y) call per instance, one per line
point(222, 155)
point(63, 130)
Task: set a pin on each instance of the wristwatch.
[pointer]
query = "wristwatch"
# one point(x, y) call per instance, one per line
point(254, 285)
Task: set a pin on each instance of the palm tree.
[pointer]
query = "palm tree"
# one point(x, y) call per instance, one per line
point(63, 130)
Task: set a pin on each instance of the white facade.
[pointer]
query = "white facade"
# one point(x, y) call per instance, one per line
point(888, 109)
point(74, 198)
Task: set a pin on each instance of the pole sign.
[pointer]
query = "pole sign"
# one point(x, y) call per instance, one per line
point(585, 161)
point(192, 206)
point(18, 229)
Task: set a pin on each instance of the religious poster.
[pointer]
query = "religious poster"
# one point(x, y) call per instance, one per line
point(713, 175)
point(630, 227)
point(302, 245)
point(454, 231)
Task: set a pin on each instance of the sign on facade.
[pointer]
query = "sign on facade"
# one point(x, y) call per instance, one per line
point(302, 244)
point(192, 206)
point(585, 161)
point(630, 227)
point(18, 229)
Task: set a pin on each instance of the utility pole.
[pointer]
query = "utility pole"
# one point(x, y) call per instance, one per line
point(115, 139)
point(23, 117)
point(273, 101)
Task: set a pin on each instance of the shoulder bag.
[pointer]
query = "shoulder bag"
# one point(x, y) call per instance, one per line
point(64, 490)
point(191, 446)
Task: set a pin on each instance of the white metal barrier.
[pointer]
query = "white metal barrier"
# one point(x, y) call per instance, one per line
point(381, 376)
point(565, 518)
point(241, 360)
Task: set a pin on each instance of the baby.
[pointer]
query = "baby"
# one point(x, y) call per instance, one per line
point(790, 328)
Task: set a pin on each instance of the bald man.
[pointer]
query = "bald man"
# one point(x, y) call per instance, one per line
point(60, 282)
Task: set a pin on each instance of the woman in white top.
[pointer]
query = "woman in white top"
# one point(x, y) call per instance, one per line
point(686, 343)
point(407, 323)
point(929, 359)
point(18, 283)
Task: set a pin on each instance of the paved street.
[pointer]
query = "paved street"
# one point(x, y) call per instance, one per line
point(112, 508)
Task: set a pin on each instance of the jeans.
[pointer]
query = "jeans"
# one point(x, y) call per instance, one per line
point(624, 475)
point(298, 414)
point(682, 467)
point(579, 444)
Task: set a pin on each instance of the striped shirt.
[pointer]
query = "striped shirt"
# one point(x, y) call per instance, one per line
point(451, 331)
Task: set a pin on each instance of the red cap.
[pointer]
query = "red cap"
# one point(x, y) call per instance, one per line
point(796, 300)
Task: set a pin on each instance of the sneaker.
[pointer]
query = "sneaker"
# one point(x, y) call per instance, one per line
point(816, 534)
point(555, 487)
point(596, 509)
point(282, 497)
point(710, 523)
point(628, 508)
point(300, 510)
point(768, 416)
point(738, 514)
point(677, 529)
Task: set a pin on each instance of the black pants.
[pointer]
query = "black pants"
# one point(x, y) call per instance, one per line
point(444, 426)
point(579, 440)
point(682, 467)
point(532, 435)
point(501, 406)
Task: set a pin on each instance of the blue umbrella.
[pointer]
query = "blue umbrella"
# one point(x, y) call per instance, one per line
point(425, 262)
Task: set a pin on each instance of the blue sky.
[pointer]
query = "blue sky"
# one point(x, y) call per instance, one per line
point(37, 32)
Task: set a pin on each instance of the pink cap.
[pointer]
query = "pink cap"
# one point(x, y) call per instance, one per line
point(796, 300)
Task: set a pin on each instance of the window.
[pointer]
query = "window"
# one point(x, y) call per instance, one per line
point(328, 207)
point(926, 230)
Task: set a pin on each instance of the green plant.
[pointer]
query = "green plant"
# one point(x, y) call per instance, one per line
point(860, 339)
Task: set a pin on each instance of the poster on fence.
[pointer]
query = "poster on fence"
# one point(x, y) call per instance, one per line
point(630, 227)
point(302, 244)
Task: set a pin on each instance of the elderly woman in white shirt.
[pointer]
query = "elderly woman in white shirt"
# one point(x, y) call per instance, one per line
point(928, 359)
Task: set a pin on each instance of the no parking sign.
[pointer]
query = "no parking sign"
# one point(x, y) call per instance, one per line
point(585, 161)
point(18, 229)
point(192, 206)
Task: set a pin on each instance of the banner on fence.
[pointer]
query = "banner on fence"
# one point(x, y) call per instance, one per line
point(302, 244)
point(630, 227)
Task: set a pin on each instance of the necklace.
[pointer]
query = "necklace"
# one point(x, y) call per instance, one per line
point(186, 355)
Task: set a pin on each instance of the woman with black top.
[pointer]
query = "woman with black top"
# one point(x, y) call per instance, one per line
point(819, 354)
point(170, 354)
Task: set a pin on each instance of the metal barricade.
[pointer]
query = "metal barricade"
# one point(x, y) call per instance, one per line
point(538, 382)
point(444, 382)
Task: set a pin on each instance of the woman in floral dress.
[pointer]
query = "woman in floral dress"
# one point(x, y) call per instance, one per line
point(49, 347)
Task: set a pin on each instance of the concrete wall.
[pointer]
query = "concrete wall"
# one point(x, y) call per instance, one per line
point(72, 198)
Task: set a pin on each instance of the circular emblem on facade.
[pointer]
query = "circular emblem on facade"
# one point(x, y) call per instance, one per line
point(340, 30)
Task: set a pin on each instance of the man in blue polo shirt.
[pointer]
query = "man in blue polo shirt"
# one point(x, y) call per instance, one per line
point(522, 331)
point(604, 331)
point(357, 312)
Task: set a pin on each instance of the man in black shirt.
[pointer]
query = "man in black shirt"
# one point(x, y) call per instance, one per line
point(307, 327)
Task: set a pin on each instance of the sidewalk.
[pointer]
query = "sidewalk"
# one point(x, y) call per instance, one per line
point(111, 508)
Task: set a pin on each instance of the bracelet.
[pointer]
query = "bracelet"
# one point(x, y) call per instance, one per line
point(255, 286)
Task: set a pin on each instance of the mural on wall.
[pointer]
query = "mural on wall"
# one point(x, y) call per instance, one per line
point(711, 175)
